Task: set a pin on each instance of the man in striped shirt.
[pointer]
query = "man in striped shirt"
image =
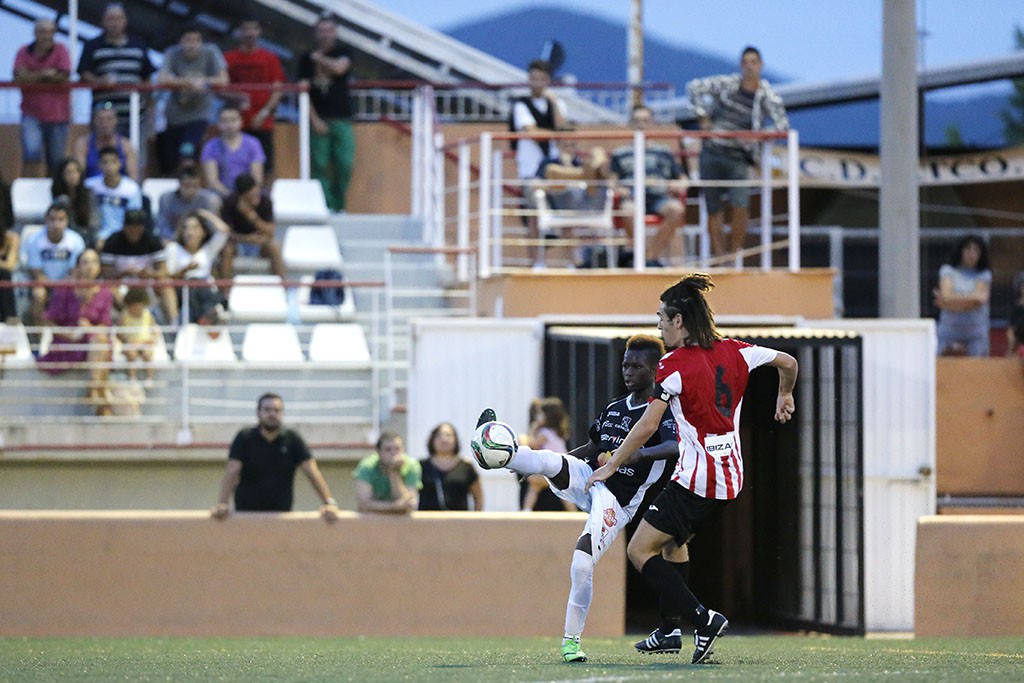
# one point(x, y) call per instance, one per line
point(729, 103)
point(701, 382)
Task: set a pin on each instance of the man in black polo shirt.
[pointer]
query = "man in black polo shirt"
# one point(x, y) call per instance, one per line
point(262, 463)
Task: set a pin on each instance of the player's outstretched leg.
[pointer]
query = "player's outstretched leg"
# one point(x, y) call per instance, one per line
point(704, 636)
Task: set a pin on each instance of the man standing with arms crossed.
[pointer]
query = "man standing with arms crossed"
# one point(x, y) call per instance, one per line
point(701, 381)
point(734, 102)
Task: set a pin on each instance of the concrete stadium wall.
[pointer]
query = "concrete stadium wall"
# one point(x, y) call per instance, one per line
point(968, 578)
point(183, 574)
point(980, 416)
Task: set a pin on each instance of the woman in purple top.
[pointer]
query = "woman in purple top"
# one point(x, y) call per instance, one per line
point(231, 154)
point(86, 308)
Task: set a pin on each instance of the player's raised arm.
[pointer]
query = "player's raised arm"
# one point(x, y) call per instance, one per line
point(788, 368)
point(641, 432)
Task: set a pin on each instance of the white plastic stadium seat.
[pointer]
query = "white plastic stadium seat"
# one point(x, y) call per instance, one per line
point(14, 343)
point(160, 354)
point(339, 343)
point(200, 343)
point(255, 298)
point(27, 233)
point(320, 313)
point(271, 343)
point(154, 188)
point(308, 248)
point(599, 220)
point(298, 201)
point(30, 197)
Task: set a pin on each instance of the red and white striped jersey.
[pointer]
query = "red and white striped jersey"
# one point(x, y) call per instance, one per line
point(704, 391)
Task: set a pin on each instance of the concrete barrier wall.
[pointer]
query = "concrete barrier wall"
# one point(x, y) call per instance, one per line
point(969, 576)
point(183, 574)
point(980, 418)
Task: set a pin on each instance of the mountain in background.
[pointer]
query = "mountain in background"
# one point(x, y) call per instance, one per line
point(596, 52)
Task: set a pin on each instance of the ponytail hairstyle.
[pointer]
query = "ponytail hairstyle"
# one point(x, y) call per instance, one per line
point(688, 298)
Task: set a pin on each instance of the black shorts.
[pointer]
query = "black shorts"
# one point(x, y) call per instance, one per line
point(680, 513)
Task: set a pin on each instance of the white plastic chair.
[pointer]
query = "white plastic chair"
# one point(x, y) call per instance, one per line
point(600, 221)
point(154, 188)
point(201, 343)
point(254, 298)
point(308, 248)
point(339, 343)
point(299, 201)
point(14, 342)
point(28, 232)
point(30, 197)
point(271, 343)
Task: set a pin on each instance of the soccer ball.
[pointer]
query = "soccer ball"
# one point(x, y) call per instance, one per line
point(494, 444)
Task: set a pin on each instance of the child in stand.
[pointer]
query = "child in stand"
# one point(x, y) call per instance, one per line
point(137, 331)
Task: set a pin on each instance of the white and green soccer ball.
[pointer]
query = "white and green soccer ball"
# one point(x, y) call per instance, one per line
point(493, 445)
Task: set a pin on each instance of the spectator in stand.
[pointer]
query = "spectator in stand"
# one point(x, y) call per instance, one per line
point(86, 306)
point(326, 70)
point(962, 297)
point(69, 186)
point(115, 58)
point(250, 64)
point(448, 480)
point(45, 114)
point(664, 187)
point(190, 197)
point(262, 463)
point(1015, 330)
point(249, 213)
point(734, 102)
point(230, 154)
point(137, 331)
point(190, 67)
point(8, 264)
point(102, 134)
point(388, 480)
point(134, 252)
point(51, 255)
point(549, 430)
point(114, 195)
point(197, 243)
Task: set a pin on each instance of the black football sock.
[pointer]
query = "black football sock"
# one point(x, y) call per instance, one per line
point(676, 600)
point(683, 569)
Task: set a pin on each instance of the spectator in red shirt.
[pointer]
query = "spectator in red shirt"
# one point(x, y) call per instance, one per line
point(44, 113)
point(251, 64)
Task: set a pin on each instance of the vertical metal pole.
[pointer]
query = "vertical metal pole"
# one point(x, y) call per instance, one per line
point(389, 329)
point(73, 30)
point(134, 122)
point(185, 433)
point(304, 135)
point(376, 393)
point(483, 222)
point(439, 236)
point(462, 240)
point(417, 154)
point(639, 202)
point(793, 169)
point(497, 241)
point(766, 205)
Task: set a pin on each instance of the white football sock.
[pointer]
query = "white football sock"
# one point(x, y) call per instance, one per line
point(528, 461)
point(581, 593)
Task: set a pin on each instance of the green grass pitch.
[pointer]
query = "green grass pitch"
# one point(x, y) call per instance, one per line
point(486, 660)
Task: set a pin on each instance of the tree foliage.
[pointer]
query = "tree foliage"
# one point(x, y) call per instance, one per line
point(1013, 118)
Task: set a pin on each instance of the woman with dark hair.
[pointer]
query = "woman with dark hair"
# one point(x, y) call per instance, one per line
point(69, 182)
point(962, 298)
point(9, 241)
point(448, 480)
point(198, 241)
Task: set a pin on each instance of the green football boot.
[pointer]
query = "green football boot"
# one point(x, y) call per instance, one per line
point(571, 651)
